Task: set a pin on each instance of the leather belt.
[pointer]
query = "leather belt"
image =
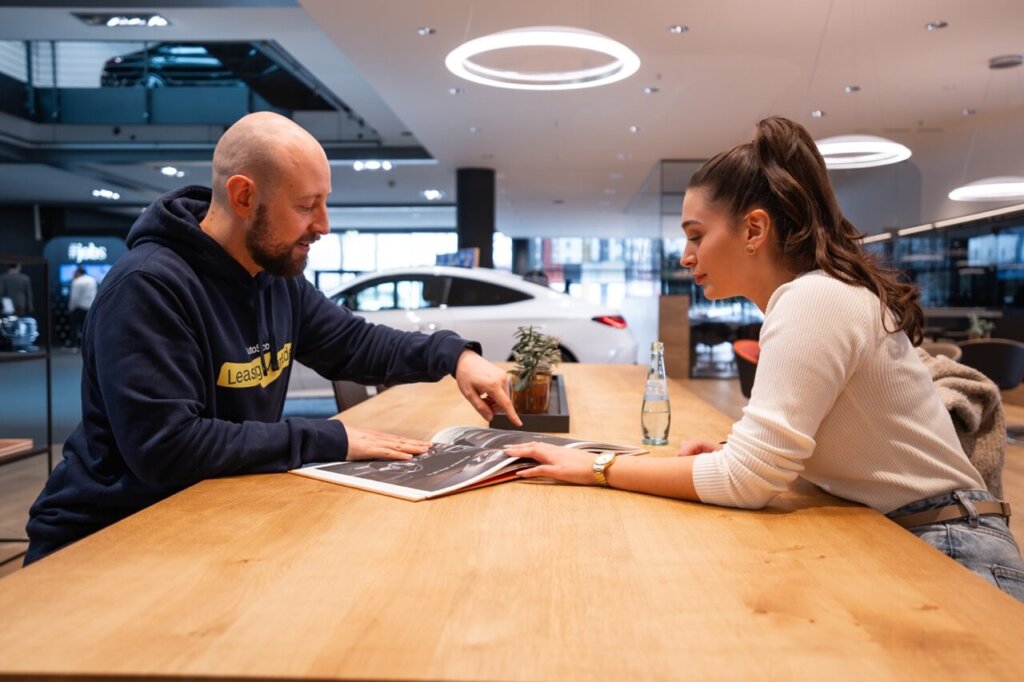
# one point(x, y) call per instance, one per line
point(954, 512)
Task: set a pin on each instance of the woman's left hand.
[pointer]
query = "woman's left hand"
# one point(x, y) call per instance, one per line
point(562, 464)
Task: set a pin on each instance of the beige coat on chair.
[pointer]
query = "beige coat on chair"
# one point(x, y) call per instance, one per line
point(976, 407)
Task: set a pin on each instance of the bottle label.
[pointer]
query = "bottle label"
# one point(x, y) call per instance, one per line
point(655, 389)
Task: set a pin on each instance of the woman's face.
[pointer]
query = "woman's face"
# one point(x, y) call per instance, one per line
point(714, 247)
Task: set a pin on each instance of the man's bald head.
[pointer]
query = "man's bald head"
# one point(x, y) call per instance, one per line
point(257, 146)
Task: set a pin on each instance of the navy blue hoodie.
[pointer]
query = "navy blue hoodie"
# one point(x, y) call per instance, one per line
point(186, 364)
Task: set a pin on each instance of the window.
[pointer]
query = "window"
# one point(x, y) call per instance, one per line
point(469, 292)
point(396, 293)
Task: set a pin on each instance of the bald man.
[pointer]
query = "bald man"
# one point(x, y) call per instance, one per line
point(189, 344)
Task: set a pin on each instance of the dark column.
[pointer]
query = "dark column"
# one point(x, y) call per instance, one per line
point(520, 255)
point(474, 212)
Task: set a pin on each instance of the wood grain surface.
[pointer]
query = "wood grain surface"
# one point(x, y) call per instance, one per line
point(280, 576)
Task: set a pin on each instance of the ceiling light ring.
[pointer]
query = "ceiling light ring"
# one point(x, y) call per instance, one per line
point(624, 61)
point(861, 151)
point(1002, 188)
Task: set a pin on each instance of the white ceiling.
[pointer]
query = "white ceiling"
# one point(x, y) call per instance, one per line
point(741, 60)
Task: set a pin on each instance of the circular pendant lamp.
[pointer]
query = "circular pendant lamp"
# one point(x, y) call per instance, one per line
point(861, 151)
point(600, 62)
point(1005, 188)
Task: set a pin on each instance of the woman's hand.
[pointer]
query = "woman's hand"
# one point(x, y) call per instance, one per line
point(562, 464)
point(689, 448)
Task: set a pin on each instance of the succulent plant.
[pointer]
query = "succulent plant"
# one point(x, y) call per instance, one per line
point(534, 353)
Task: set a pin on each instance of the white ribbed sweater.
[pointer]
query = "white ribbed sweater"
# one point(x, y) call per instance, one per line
point(840, 402)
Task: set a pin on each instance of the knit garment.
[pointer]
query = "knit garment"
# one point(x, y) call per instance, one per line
point(839, 401)
point(976, 406)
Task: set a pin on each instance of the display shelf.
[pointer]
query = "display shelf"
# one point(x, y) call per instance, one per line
point(21, 356)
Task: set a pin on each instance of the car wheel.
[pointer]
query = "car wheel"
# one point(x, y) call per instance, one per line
point(567, 355)
point(154, 81)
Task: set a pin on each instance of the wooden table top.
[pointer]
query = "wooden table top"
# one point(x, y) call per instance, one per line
point(281, 576)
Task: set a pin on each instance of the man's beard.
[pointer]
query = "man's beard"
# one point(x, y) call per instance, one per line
point(272, 256)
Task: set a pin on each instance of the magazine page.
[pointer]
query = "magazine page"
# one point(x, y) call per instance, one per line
point(483, 437)
point(443, 469)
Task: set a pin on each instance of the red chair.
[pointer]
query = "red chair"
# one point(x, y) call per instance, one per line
point(747, 352)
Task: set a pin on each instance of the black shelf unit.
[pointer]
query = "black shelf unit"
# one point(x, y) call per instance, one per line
point(43, 354)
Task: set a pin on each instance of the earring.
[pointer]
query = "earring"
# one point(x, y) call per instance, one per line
point(751, 250)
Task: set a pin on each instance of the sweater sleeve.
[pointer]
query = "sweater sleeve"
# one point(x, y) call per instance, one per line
point(814, 335)
point(150, 369)
point(341, 345)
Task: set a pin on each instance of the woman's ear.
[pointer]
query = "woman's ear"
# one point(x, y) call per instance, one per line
point(758, 228)
point(241, 195)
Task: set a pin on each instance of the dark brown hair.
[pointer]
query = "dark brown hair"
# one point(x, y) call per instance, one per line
point(782, 173)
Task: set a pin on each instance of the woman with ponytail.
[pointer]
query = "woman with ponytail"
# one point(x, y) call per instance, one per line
point(841, 397)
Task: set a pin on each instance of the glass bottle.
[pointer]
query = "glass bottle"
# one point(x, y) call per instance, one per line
point(655, 414)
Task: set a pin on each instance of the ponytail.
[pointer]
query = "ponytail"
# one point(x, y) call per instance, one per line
point(783, 173)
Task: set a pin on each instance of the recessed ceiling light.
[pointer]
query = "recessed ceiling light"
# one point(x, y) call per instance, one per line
point(1005, 61)
point(623, 62)
point(861, 151)
point(817, 113)
point(455, 91)
point(634, 129)
point(169, 171)
point(1004, 188)
point(122, 20)
point(651, 90)
point(371, 165)
point(426, 31)
point(433, 194)
point(848, 89)
point(935, 25)
point(678, 29)
point(106, 194)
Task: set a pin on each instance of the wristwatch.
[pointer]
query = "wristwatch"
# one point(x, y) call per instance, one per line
point(601, 465)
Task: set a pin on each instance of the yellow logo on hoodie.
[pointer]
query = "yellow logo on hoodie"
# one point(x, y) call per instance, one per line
point(250, 374)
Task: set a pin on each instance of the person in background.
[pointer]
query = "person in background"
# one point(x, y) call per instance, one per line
point(83, 293)
point(840, 396)
point(189, 344)
point(17, 286)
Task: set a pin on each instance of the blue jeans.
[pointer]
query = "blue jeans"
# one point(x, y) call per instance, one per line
point(983, 544)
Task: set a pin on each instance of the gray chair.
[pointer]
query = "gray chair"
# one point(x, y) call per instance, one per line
point(1001, 360)
point(349, 393)
point(950, 350)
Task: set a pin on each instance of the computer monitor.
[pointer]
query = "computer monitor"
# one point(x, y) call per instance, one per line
point(96, 270)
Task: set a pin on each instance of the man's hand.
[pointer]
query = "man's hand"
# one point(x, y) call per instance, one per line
point(370, 444)
point(485, 386)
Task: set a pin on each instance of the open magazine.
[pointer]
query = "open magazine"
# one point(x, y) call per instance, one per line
point(462, 457)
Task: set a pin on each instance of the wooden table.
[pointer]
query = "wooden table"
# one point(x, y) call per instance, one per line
point(280, 576)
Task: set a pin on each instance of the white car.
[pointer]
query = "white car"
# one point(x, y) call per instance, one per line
point(480, 305)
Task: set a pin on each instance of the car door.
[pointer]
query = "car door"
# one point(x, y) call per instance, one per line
point(489, 313)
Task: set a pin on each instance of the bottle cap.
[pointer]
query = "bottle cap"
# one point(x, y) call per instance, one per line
point(657, 345)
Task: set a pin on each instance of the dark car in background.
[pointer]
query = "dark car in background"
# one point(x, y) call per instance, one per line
point(168, 64)
point(262, 66)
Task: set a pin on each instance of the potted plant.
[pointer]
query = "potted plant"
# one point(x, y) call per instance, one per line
point(535, 355)
point(980, 328)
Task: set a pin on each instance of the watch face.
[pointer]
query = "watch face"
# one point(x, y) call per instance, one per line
point(604, 459)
